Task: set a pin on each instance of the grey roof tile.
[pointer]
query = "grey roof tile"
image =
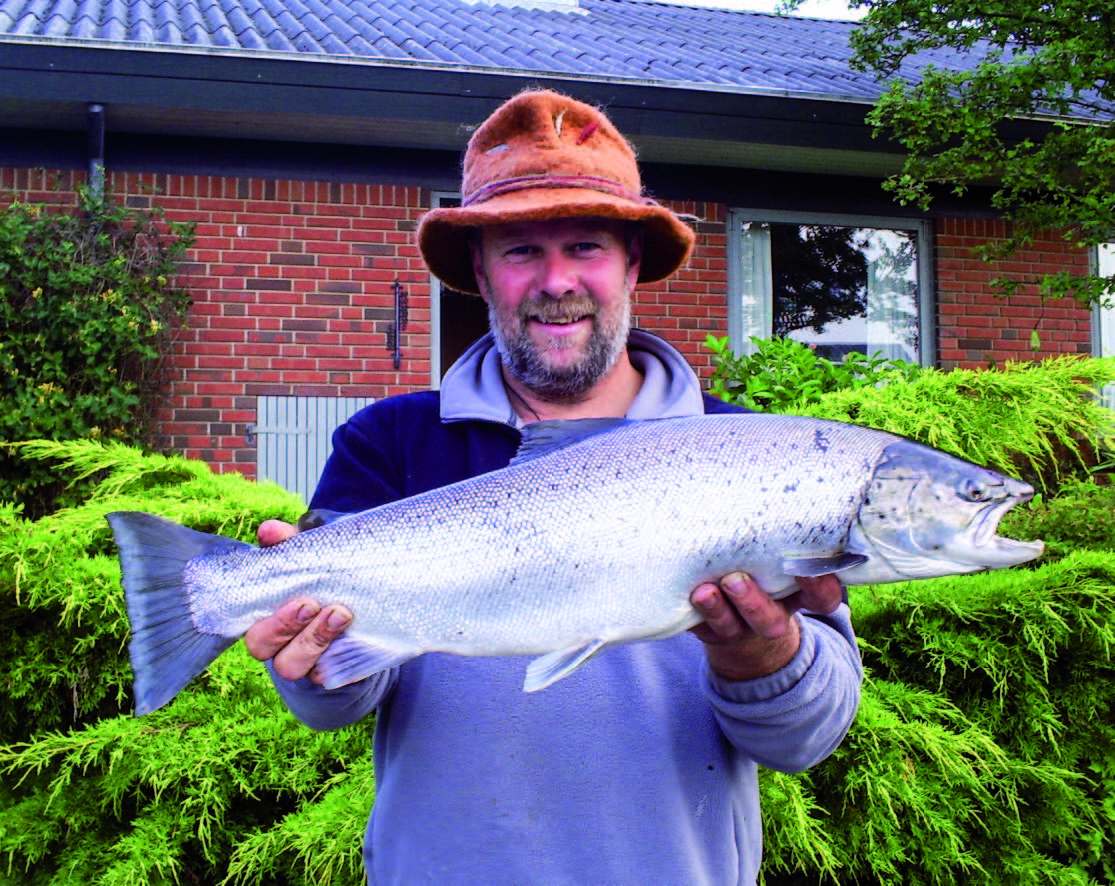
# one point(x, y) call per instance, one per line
point(599, 38)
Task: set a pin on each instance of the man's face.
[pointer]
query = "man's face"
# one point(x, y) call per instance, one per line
point(559, 299)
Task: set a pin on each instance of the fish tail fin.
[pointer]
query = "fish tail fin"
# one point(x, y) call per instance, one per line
point(166, 649)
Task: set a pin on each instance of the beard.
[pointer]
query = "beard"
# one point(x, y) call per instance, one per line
point(527, 362)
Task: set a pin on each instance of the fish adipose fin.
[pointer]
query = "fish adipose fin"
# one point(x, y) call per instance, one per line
point(553, 666)
point(349, 659)
point(543, 437)
point(166, 650)
point(813, 566)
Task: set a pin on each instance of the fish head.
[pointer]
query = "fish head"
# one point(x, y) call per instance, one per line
point(926, 513)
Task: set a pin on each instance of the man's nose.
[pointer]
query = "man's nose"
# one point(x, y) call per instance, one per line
point(556, 275)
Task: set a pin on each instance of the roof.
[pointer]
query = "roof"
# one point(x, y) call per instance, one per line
point(623, 40)
point(704, 87)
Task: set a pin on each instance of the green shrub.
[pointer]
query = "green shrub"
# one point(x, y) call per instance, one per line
point(984, 751)
point(1041, 420)
point(223, 782)
point(783, 373)
point(63, 625)
point(87, 311)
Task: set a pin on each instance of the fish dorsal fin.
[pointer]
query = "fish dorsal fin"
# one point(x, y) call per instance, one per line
point(544, 437)
point(814, 566)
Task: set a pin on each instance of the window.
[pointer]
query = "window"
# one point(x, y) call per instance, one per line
point(456, 319)
point(1103, 322)
point(1104, 325)
point(836, 283)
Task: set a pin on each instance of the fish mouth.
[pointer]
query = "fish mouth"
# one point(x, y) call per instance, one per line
point(997, 550)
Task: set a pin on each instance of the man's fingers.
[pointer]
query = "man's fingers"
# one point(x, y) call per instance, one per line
point(268, 635)
point(297, 658)
point(820, 594)
point(272, 532)
point(764, 616)
point(736, 608)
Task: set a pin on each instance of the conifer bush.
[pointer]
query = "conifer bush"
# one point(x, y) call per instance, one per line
point(983, 753)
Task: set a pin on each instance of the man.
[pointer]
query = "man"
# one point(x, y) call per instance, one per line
point(641, 766)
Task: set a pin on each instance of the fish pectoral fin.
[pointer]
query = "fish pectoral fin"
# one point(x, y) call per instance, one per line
point(553, 666)
point(813, 566)
point(349, 659)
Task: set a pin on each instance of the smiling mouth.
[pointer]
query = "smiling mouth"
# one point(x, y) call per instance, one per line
point(561, 321)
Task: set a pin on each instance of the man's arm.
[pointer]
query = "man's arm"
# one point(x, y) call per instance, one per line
point(784, 676)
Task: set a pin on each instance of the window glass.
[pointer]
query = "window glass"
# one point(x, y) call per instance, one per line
point(836, 287)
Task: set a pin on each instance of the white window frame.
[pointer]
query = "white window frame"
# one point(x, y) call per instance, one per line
point(738, 217)
point(436, 198)
point(1103, 318)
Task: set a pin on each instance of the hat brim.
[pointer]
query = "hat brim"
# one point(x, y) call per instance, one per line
point(443, 234)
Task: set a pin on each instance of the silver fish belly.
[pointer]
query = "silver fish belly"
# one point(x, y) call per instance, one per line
point(575, 547)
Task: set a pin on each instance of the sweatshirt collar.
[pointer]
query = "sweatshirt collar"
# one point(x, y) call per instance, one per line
point(473, 386)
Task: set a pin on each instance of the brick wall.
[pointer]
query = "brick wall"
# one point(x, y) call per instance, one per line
point(976, 328)
point(292, 288)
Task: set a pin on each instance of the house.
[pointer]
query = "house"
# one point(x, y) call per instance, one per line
point(307, 137)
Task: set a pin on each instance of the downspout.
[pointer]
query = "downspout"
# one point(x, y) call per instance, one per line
point(95, 118)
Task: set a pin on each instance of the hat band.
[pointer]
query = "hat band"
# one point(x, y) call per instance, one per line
point(545, 180)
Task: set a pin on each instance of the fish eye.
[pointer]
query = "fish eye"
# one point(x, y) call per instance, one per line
point(973, 490)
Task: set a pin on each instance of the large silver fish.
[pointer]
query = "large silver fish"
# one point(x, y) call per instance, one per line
point(592, 537)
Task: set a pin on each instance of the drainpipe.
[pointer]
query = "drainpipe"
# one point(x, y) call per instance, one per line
point(95, 118)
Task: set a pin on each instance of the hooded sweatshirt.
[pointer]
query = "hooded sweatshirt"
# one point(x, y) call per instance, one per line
point(640, 767)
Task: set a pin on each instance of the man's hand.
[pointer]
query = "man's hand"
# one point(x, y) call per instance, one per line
point(297, 635)
point(749, 635)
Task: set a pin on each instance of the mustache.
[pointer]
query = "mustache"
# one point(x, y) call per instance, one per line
point(557, 310)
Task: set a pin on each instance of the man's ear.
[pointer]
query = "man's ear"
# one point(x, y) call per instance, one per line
point(475, 251)
point(634, 252)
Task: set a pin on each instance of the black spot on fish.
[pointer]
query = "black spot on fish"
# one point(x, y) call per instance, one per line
point(821, 441)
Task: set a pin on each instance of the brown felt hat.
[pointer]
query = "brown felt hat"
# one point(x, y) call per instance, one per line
point(543, 155)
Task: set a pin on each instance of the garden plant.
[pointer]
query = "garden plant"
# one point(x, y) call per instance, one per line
point(983, 752)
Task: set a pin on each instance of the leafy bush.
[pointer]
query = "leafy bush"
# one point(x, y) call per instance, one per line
point(783, 373)
point(86, 314)
point(222, 783)
point(984, 751)
point(1042, 420)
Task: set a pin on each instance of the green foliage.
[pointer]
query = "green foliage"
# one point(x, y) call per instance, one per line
point(983, 753)
point(223, 785)
point(783, 373)
point(1041, 420)
point(87, 311)
point(1052, 63)
point(983, 749)
point(62, 620)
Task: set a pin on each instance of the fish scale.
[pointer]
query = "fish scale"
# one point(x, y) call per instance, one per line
point(595, 535)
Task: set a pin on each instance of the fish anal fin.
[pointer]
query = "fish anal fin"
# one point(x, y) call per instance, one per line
point(813, 566)
point(553, 666)
point(349, 659)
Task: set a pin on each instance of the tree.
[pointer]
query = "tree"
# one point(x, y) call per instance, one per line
point(1034, 115)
